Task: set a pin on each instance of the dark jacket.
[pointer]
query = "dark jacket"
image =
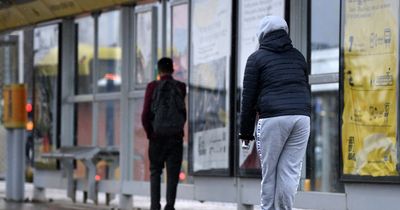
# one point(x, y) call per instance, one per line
point(147, 115)
point(275, 82)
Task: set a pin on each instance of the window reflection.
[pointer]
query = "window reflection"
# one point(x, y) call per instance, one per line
point(322, 158)
point(141, 162)
point(144, 45)
point(83, 132)
point(180, 41)
point(323, 148)
point(83, 123)
point(85, 55)
point(109, 64)
point(180, 55)
point(108, 124)
point(46, 67)
point(325, 17)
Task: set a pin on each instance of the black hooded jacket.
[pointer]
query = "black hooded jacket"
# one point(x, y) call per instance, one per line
point(275, 82)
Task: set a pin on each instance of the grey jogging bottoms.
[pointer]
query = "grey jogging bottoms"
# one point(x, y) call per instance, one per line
point(281, 144)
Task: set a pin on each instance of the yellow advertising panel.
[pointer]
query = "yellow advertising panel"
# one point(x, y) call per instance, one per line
point(14, 114)
point(35, 11)
point(369, 129)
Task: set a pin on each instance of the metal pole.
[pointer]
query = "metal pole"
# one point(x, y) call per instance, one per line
point(15, 175)
point(164, 28)
point(15, 178)
point(126, 148)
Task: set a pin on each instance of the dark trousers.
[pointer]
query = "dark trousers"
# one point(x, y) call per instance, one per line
point(166, 151)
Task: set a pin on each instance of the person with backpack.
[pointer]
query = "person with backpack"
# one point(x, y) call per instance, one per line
point(163, 119)
point(276, 87)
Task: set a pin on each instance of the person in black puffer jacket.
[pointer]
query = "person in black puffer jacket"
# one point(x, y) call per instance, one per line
point(276, 87)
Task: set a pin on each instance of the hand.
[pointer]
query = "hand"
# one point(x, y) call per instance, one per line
point(245, 144)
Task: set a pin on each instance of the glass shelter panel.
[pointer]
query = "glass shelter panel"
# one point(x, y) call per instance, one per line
point(83, 123)
point(108, 125)
point(209, 87)
point(109, 57)
point(44, 100)
point(322, 169)
point(325, 18)
point(84, 71)
point(251, 12)
point(180, 41)
point(144, 49)
point(322, 165)
point(180, 55)
point(141, 170)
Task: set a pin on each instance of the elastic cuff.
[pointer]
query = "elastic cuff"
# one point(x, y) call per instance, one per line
point(246, 137)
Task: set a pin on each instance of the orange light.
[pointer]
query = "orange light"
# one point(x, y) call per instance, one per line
point(29, 126)
point(182, 176)
point(110, 76)
point(28, 107)
point(97, 177)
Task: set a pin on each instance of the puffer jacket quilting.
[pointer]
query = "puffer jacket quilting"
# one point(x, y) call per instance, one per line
point(275, 82)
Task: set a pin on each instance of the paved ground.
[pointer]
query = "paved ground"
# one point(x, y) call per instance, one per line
point(58, 201)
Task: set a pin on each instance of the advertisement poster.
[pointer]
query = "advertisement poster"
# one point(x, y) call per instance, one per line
point(251, 12)
point(211, 30)
point(369, 128)
point(209, 86)
point(210, 149)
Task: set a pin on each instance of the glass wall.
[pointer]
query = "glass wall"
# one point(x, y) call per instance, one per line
point(209, 85)
point(323, 148)
point(180, 55)
point(144, 72)
point(180, 41)
point(83, 123)
point(45, 92)
point(144, 65)
point(108, 125)
point(98, 74)
point(251, 12)
point(141, 164)
point(84, 70)
point(322, 166)
point(109, 66)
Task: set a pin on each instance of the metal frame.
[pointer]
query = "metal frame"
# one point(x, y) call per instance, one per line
point(68, 55)
point(95, 106)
